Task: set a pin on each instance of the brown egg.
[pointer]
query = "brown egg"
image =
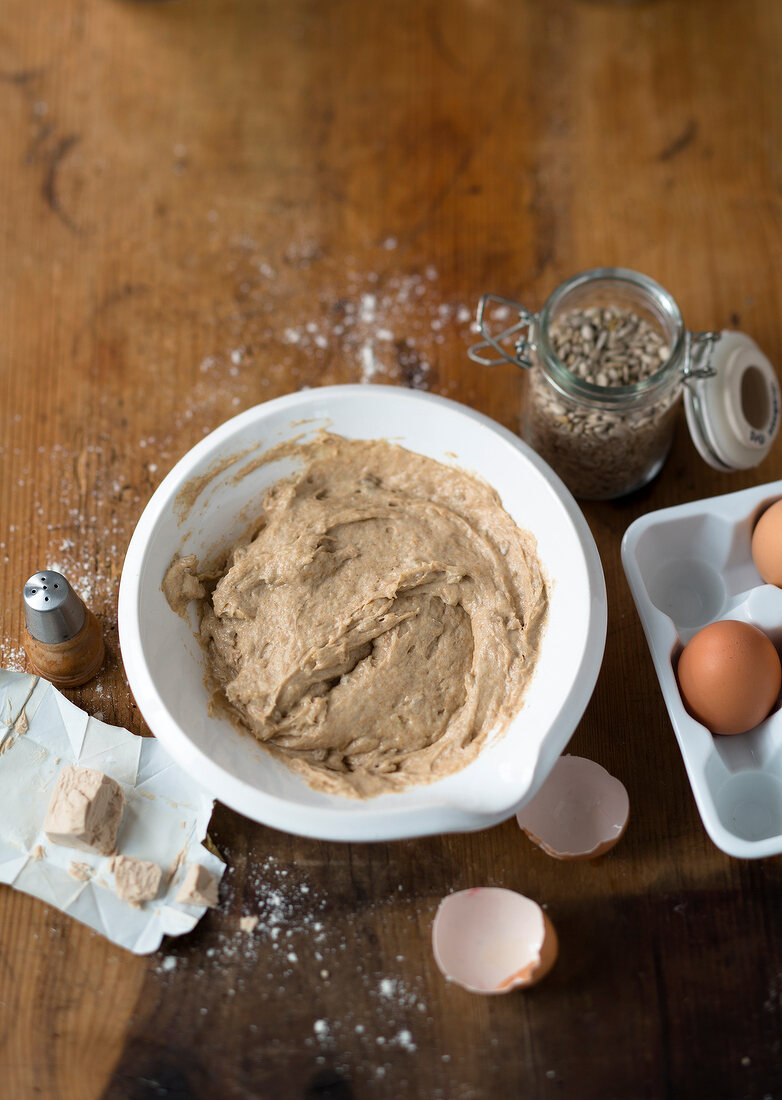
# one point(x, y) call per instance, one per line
point(730, 676)
point(767, 545)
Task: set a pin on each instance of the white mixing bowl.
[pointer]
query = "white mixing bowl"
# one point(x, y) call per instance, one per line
point(165, 665)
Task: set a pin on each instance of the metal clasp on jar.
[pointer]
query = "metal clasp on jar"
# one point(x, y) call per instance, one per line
point(522, 344)
point(698, 350)
point(696, 360)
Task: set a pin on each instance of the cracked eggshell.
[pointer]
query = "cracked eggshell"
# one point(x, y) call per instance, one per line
point(580, 812)
point(491, 940)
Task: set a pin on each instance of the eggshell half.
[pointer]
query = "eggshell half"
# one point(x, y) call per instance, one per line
point(491, 940)
point(580, 812)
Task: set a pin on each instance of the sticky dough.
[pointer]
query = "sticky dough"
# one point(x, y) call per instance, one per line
point(381, 624)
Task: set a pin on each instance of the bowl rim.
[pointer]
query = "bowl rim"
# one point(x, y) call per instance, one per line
point(377, 821)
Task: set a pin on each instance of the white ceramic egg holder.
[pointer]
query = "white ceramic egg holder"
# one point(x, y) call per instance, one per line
point(692, 565)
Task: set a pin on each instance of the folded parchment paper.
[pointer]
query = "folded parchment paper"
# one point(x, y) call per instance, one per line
point(166, 815)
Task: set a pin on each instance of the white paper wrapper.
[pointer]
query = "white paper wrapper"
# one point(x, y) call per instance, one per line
point(166, 815)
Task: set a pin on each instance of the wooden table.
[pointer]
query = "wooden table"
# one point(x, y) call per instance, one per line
point(209, 204)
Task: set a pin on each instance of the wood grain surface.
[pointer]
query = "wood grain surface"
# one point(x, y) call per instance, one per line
point(209, 203)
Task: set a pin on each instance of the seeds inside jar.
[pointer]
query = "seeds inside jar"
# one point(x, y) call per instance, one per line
point(607, 443)
point(608, 346)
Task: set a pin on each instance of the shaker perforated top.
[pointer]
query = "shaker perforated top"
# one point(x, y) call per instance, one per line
point(53, 612)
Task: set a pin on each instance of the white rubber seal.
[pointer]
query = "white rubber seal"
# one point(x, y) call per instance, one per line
point(733, 417)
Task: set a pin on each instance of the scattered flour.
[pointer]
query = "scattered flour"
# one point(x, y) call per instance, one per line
point(404, 1039)
point(366, 325)
point(369, 366)
point(295, 938)
point(12, 656)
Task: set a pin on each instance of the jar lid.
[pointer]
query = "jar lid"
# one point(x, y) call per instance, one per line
point(733, 414)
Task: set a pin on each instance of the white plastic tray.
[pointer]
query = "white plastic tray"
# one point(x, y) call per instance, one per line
point(692, 565)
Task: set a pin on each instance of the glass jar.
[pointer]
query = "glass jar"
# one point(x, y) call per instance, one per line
point(604, 441)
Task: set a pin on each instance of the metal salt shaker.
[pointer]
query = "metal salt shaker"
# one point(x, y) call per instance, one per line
point(64, 639)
